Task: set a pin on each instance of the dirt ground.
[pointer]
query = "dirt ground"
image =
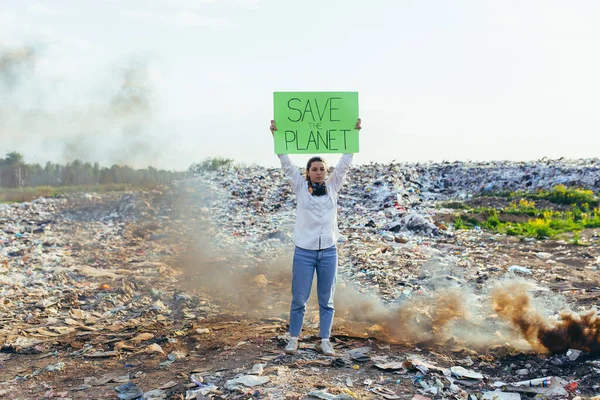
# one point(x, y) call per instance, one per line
point(216, 331)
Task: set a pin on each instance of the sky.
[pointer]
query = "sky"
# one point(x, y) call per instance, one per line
point(171, 82)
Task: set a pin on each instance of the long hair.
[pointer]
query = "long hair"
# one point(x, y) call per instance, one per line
point(309, 164)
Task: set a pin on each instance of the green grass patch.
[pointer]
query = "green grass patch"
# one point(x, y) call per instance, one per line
point(524, 207)
point(562, 195)
point(459, 224)
point(525, 218)
point(559, 194)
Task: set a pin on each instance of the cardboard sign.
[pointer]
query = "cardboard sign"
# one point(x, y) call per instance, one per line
point(315, 122)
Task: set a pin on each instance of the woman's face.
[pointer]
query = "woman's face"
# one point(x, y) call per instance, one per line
point(316, 172)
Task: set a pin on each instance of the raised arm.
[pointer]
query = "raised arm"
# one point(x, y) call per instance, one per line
point(290, 170)
point(336, 180)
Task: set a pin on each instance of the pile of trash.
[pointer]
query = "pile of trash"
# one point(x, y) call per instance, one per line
point(183, 291)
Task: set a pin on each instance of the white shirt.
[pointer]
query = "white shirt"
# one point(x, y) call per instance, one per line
point(316, 216)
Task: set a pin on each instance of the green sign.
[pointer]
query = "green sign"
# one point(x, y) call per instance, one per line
point(315, 122)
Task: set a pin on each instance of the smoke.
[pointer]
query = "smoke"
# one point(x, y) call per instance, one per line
point(513, 301)
point(235, 282)
point(235, 278)
point(445, 315)
point(446, 311)
point(421, 319)
point(94, 113)
point(16, 65)
point(260, 287)
point(450, 314)
point(456, 315)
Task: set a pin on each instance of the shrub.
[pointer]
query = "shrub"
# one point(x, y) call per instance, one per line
point(459, 224)
point(562, 195)
point(539, 228)
point(212, 164)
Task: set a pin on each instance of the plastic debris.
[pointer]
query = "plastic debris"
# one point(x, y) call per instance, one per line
point(392, 365)
point(385, 393)
point(156, 394)
point(322, 394)
point(573, 354)
point(360, 354)
point(461, 372)
point(257, 369)
point(338, 363)
point(498, 395)
point(129, 391)
point(548, 386)
point(246, 380)
point(154, 348)
point(571, 387)
point(520, 269)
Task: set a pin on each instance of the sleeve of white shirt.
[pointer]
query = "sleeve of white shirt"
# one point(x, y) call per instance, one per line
point(336, 180)
point(291, 172)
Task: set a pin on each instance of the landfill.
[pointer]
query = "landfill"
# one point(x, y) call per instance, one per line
point(182, 292)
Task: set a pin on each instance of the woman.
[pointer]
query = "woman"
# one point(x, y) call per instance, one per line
point(315, 237)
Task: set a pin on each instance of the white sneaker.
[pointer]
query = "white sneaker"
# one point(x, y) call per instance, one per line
point(327, 348)
point(292, 346)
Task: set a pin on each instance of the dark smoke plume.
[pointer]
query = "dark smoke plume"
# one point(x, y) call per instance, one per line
point(573, 331)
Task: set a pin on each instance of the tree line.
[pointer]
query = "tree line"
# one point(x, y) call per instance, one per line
point(15, 173)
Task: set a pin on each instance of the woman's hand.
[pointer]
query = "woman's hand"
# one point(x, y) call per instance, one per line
point(358, 122)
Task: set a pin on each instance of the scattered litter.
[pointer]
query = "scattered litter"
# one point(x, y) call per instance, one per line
point(498, 395)
point(168, 385)
point(247, 380)
point(523, 371)
point(156, 394)
point(59, 366)
point(360, 354)
point(322, 394)
point(338, 363)
point(202, 391)
point(81, 305)
point(154, 348)
point(573, 354)
point(102, 354)
point(548, 386)
point(128, 391)
point(392, 365)
point(386, 393)
point(461, 372)
point(424, 366)
point(518, 268)
point(571, 387)
point(257, 369)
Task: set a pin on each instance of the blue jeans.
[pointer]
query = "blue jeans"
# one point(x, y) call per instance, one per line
point(306, 262)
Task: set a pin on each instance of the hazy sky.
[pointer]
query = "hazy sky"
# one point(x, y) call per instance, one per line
point(437, 80)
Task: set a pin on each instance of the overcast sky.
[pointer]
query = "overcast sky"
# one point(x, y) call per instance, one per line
point(437, 80)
